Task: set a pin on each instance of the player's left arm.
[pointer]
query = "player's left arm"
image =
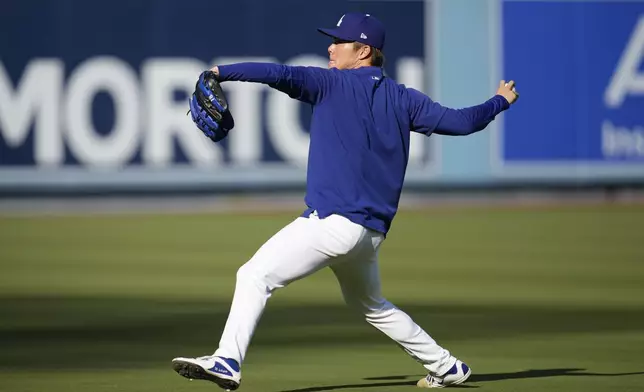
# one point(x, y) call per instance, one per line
point(431, 117)
point(305, 83)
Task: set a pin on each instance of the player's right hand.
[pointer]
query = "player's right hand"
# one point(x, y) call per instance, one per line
point(508, 91)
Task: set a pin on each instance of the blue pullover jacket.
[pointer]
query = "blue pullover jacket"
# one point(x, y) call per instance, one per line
point(360, 130)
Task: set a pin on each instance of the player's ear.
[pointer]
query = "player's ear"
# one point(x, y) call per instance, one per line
point(364, 52)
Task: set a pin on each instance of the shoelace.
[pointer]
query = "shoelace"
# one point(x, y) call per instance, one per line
point(434, 380)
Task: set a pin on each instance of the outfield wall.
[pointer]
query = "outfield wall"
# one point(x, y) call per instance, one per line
point(93, 94)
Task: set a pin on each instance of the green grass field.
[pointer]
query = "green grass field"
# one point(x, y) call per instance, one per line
point(533, 299)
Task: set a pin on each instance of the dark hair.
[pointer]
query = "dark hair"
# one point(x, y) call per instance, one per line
point(377, 57)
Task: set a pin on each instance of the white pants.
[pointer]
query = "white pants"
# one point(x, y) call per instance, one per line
point(305, 246)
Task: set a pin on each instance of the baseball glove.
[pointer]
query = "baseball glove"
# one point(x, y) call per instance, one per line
point(209, 108)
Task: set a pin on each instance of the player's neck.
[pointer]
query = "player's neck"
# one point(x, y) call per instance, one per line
point(360, 64)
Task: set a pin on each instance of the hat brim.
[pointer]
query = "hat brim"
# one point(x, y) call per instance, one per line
point(334, 33)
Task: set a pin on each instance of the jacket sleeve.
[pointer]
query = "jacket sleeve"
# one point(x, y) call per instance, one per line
point(304, 83)
point(429, 117)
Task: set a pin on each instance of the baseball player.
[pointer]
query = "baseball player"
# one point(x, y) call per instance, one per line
point(359, 149)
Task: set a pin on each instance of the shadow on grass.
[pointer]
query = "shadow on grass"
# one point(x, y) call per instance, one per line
point(117, 333)
point(525, 374)
point(540, 373)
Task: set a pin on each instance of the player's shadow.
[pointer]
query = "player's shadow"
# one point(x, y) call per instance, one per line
point(532, 373)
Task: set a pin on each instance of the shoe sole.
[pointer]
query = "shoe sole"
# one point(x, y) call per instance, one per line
point(196, 372)
point(462, 379)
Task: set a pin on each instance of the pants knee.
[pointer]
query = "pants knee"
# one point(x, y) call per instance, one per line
point(370, 309)
point(380, 310)
point(248, 275)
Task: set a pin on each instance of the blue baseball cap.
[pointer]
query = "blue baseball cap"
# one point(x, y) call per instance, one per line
point(356, 26)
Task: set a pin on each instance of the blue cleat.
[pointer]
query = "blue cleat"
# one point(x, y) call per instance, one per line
point(454, 376)
point(224, 372)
